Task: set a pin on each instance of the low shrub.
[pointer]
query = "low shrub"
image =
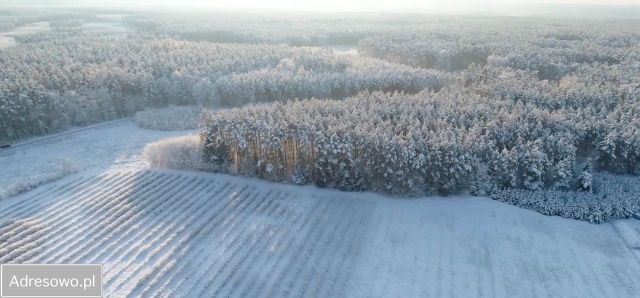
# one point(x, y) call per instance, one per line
point(614, 197)
point(181, 153)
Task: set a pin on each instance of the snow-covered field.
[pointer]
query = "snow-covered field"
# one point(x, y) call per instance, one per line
point(29, 29)
point(7, 41)
point(7, 38)
point(187, 234)
point(104, 28)
point(111, 144)
point(112, 25)
point(346, 50)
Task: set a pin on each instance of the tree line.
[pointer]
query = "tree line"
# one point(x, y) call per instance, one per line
point(503, 129)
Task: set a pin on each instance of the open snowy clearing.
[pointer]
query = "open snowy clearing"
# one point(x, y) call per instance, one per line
point(112, 144)
point(104, 28)
point(7, 38)
point(185, 234)
point(345, 50)
point(7, 41)
point(28, 29)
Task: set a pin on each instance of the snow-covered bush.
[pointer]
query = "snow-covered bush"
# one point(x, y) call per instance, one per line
point(185, 152)
point(585, 180)
point(616, 197)
point(169, 118)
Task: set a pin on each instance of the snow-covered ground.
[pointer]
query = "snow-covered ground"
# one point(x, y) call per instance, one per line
point(7, 41)
point(111, 144)
point(111, 25)
point(104, 28)
point(187, 234)
point(29, 29)
point(346, 50)
point(7, 38)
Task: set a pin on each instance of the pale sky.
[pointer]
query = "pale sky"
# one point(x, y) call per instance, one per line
point(434, 6)
point(368, 5)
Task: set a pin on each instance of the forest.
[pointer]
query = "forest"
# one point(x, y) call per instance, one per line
point(81, 80)
point(419, 105)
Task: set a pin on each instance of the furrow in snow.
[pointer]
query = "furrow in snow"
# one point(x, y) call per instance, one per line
point(153, 244)
point(88, 217)
point(177, 252)
point(301, 254)
point(201, 264)
point(30, 199)
point(171, 281)
point(135, 235)
point(230, 240)
point(30, 204)
point(180, 234)
point(122, 220)
point(48, 220)
point(265, 234)
point(629, 230)
point(206, 204)
point(148, 237)
point(336, 278)
point(323, 252)
point(266, 254)
point(170, 247)
point(268, 276)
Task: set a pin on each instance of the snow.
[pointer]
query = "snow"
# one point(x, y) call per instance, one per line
point(28, 29)
point(187, 234)
point(104, 28)
point(7, 38)
point(7, 41)
point(110, 144)
point(629, 229)
point(190, 234)
point(113, 17)
point(344, 49)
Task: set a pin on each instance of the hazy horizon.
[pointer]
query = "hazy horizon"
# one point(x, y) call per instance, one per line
point(624, 8)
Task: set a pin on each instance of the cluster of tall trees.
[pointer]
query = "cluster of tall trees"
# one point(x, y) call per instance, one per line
point(428, 50)
point(503, 129)
point(550, 49)
point(46, 86)
point(322, 74)
point(49, 84)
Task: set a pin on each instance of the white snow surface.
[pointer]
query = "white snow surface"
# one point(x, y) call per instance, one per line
point(188, 234)
point(107, 145)
point(7, 41)
point(31, 28)
point(7, 38)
